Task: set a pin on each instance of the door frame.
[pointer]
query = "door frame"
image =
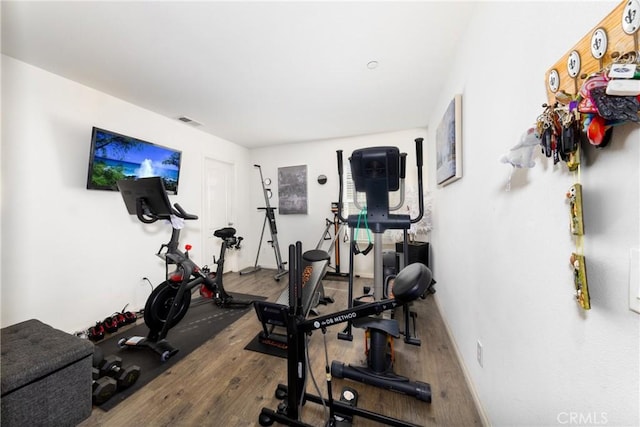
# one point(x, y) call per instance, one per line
point(231, 261)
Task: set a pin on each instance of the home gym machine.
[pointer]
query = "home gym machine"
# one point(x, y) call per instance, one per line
point(229, 241)
point(169, 301)
point(269, 217)
point(274, 314)
point(377, 171)
point(337, 226)
point(410, 284)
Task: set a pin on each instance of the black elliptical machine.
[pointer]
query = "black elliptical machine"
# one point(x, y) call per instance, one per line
point(377, 171)
point(168, 303)
point(410, 284)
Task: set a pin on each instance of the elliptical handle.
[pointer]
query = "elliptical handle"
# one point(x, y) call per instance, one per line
point(340, 193)
point(420, 189)
point(419, 151)
point(403, 165)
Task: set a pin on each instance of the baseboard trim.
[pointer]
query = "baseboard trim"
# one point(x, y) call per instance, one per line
point(474, 393)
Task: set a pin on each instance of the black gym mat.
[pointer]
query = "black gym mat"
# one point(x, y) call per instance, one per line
point(257, 346)
point(201, 323)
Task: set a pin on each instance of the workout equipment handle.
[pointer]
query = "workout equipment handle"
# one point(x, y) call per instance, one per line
point(144, 213)
point(340, 193)
point(403, 165)
point(420, 189)
point(182, 214)
point(265, 190)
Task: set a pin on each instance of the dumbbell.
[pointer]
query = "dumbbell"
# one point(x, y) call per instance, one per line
point(111, 366)
point(103, 387)
point(96, 333)
point(111, 324)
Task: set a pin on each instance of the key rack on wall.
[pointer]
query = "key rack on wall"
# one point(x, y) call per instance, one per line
point(584, 102)
point(615, 35)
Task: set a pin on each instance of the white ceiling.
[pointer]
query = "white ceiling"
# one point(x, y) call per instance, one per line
point(255, 73)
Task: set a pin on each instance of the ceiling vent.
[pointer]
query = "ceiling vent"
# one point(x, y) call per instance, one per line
point(189, 121)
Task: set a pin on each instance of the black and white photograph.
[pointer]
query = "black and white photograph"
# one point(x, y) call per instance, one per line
point(292, 190)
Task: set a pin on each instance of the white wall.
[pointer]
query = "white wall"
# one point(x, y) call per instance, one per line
point(320, 158)
point(502, 258)
point(72, 256)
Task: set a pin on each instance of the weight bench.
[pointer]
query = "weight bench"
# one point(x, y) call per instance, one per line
point(45, 376)
point(274, 314)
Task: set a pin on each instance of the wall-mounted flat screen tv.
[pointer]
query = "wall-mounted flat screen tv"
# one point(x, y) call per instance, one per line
point(114, 157)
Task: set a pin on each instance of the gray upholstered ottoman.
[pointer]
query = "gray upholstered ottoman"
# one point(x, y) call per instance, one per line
point(45, 375)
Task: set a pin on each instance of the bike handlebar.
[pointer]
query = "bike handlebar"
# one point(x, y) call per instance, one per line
point(144, 213)
point(178, 211)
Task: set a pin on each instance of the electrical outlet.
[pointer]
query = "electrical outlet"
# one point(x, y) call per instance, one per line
point(479, 354)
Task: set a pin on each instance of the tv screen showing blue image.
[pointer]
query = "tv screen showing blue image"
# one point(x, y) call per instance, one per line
point(114, 157)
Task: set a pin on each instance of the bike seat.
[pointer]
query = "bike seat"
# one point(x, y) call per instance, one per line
point(316, 255)
point(411, 282)
point(225, 232)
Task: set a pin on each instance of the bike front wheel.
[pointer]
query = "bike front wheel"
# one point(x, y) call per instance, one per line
point(156, 310)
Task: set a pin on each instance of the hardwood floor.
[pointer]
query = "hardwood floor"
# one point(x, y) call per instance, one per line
point(221, 384)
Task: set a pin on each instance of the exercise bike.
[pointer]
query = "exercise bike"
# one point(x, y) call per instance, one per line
point(410, 284)
point(168, 303)
point(229, 241)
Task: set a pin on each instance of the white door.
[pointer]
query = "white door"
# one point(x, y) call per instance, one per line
point(219, 190)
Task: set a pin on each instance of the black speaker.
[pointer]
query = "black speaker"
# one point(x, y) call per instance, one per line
point(418, 252)
point(389, 263)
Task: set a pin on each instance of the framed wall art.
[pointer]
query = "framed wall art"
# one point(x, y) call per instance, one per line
point(449, 144)
point(292, 190)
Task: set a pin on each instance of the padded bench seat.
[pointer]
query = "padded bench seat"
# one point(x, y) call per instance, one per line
point(45, 376)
